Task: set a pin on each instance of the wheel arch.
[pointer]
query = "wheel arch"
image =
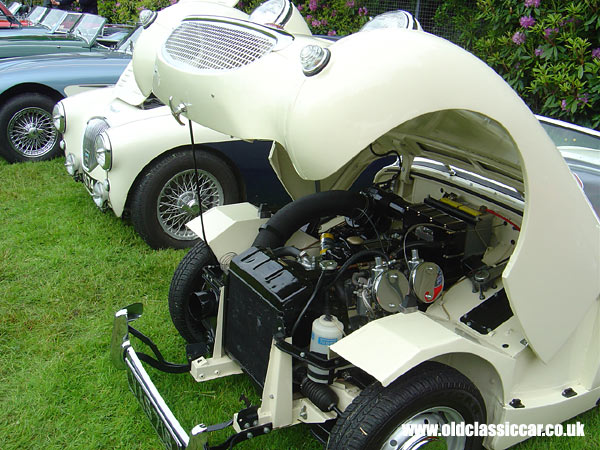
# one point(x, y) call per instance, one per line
point(401, 342)
point(166, 154)
point(482, 374)
point(31, 88)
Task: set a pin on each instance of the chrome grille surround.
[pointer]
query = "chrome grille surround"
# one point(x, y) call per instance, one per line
point(208, 44)
point(94, 127)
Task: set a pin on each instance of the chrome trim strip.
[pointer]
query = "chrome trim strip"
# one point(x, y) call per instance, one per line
point(165, 423)
point(153, 404)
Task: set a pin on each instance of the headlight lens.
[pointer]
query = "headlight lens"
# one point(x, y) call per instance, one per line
point(314, 58)
point(59, 118)
point(147, 17)
point(103, 151)
point(393, 19)
point(272, 12)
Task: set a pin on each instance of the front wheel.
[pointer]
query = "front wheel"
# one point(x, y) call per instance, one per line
point(26, 129)
point(165, 198)
point(192, 305)
point(431, 394)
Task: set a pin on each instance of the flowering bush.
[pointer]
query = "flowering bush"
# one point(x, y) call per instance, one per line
point(549, 51)
point(128, 11)
point(327, 17)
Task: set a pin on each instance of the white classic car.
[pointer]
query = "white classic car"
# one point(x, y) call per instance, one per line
point(461, 288)
point(136, 160)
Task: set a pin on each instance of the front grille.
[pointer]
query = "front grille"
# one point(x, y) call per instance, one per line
point(209, 45)
point(94, 127)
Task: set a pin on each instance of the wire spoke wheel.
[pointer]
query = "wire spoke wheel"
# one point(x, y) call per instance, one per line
point(434, 418)
point(31, 132)
point(178, 201)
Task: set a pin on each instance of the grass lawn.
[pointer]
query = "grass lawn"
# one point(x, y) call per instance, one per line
point(65, 268)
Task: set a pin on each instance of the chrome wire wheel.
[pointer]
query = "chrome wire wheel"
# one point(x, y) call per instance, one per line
point(31, 133)
point(178, 201)
point(434, 417)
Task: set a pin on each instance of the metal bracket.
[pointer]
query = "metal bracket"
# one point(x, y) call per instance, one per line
point(177, 110)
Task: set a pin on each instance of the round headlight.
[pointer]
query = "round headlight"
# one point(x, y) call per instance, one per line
point(58, 117)
point(103, 150)
point(314, 58)
point(393, 19)
point(147, 17)
point(272, 12)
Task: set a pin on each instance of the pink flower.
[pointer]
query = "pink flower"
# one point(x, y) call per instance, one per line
point(549, 32)
point(519, 38)
point(117, 4)
point(315, 23)
point(324, 22)
point(596, 53)
point(563, 105)
point(331, 33)
point(308, 17)
point(538, 51)
point(350, 4)
point(300, 7)
point(584, 98)
point(333, 13)
point(362, 11)
point(527, 21)
point(312, 5)
point(534, 3)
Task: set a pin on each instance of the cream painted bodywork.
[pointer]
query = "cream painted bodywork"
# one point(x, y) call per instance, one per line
point(424, 97)
point(134, 146)
point(439, 95)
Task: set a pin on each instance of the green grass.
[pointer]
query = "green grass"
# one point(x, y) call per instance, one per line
point(65, 268)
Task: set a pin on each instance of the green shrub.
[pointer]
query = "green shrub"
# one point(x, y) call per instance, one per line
point(548, 50)
point(127, 11)
point(326, 17)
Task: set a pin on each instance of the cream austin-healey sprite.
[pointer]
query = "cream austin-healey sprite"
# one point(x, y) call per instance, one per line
point(461, 288)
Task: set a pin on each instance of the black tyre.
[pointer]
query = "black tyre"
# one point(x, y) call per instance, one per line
point(429, 394)
point(193, 307)
point(165, 199)
point(26, 129)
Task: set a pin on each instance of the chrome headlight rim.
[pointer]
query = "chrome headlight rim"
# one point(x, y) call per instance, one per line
point(147, 17)
point(103, 150)
point(59, 117)
point(272, 12)
point(399, 19)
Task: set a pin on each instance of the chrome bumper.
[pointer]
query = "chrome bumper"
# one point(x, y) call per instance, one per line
point(164, 422)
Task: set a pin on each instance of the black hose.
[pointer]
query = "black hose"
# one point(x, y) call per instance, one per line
point(310, 300)
point(294, 215)
point(356, 257)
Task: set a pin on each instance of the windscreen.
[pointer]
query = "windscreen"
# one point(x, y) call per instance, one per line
point(36, 15)
point(562, 136)
point(67, 23)
point(14, 7)
point(89, 27)
point(53, 18)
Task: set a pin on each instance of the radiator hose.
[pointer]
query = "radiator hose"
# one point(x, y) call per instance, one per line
point(291, 217)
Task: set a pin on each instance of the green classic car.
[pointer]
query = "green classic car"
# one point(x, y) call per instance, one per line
point(72, 32)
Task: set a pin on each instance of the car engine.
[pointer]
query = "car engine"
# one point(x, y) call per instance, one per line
point(376, 255)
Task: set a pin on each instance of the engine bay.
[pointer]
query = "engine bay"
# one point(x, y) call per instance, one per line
point(372, 255)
